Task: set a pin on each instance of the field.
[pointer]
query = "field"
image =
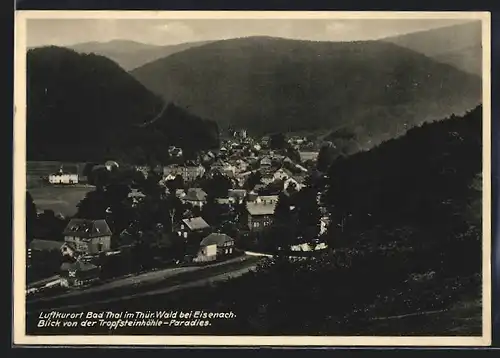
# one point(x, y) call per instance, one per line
point(60, 199)
point(47, 197)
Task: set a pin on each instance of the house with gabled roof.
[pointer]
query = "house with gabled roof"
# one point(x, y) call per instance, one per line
point(260, 214)
point(214, 246)
point(62, 177)
point(79, 273)
point(88, 237)
point(282, 174)
point(190, 226)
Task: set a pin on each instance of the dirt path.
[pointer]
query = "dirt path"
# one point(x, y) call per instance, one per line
point(141, 279)
point(152, 283)
point(163, 291)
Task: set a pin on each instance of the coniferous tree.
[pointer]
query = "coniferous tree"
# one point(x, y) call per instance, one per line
point(283, 228)
point(308, 214)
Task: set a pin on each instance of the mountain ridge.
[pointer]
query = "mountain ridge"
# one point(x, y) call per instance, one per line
point(268, 84)
point(86, 107)
point(448, 44)
point(135, 53)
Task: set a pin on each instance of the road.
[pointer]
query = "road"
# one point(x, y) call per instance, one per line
point(148, 284)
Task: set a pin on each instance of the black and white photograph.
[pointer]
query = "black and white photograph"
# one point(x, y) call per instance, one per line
point(252, 178)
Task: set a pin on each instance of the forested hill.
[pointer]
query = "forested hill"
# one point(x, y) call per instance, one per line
point(371, 89)
point(458, 45)
point(85, 107)
point(430, 176)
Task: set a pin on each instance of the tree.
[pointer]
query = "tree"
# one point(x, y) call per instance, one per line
point(87, 170)
point(253, 179)
point(283, 228)
point(172, 211)
point(49, 226)
point(31, 217)
point(212, 211)
point(293, 154)
point(217, 186)
point(292, 189)
point(277, 141)
point(99, 176)
point(122, 213)
point(326, 156)
point(93, 206)
point(282, 212)
point(308, 214)
point(176, 183)
point(151, 185)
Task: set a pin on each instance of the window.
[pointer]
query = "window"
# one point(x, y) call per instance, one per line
point(99, 246)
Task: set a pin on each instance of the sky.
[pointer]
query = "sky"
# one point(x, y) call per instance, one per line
point(66, 32)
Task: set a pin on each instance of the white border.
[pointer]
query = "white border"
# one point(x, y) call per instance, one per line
point(19, 247)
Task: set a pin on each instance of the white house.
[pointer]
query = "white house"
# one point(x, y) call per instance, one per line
point(62, 177)
point(213, 246)
point(305, 247)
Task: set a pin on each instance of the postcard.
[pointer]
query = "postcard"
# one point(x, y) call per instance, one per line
point(252, 178)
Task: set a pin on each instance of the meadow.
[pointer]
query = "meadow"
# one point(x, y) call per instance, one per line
point(60, 199)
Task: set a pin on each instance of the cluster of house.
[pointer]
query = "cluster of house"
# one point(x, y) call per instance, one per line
point(65, 177)
point(84, 240)
point(236, 159)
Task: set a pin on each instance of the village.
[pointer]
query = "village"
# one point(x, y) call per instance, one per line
point(249, 197)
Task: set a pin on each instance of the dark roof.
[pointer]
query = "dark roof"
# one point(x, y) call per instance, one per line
point(256, 209)
point(215, 239)
point(87, 228)
point(45, 245)
point(196, 223)
point(78, 266)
